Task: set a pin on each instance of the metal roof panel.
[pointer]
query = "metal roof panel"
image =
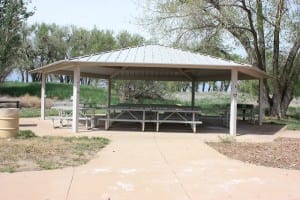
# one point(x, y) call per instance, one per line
point(157, 54)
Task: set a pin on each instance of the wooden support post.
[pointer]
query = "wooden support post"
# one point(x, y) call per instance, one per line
point(76, 91)
point(193, 94)
point(109, 93)
point(144, 118)
point(260, 102)
point(194, 124)
point(233, 104)
point(43, 96)
point(108, 122)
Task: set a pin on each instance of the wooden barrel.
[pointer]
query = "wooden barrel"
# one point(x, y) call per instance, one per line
point(9, 122)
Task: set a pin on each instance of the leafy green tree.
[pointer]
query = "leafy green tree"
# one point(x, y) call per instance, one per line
point(125, 39)
point(48, 43)
point(257, 26)
point(13, 14)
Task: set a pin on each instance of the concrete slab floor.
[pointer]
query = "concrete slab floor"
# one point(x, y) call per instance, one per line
point(152, 166)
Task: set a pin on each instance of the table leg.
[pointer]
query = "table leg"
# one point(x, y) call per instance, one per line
point(194, 125)
point(143, 122)
point(157, 121)
point(93, 121)
point(107, 120)
point(244, 114)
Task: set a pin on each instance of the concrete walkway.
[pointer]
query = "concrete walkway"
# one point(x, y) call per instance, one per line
point(154, 166)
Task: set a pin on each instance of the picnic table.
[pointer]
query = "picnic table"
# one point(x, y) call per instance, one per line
point(157, 114)
point(65, 112)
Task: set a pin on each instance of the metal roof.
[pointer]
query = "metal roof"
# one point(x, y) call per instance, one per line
point(153, 62)
point(157, 54)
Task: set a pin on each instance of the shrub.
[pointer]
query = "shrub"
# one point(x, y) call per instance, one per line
point(28, 101)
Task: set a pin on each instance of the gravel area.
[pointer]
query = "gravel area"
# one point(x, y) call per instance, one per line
point(281, 153)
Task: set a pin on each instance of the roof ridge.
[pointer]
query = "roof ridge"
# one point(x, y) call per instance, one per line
point(109, 51)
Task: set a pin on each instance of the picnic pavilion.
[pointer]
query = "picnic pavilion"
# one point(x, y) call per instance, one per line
point(153, 62)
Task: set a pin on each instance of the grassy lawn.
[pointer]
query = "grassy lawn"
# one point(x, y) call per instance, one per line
point(291, 123)
point(28, 152)
point(36, 112)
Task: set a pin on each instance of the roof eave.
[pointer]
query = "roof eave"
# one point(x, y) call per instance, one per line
point(48, 68)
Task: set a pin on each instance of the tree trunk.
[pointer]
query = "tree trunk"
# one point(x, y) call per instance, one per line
point(203, 86)
point(26, 76)
point(61, 78)
point(22, 76)
point(283, 95)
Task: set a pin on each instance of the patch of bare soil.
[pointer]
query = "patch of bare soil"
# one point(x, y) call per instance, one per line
point(281, 153)
point(40, 153)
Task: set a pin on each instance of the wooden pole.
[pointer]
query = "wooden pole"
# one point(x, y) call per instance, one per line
point(260, 102)
point(233, 105)
point(107, 122)
point(76, 91)
point(43, 96)
point(109, 93)
point(193, 94)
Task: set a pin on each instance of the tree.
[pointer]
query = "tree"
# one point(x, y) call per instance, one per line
point(259, 27)
point(125, 39)
point(212, 45)
point(13, 13)
point(46, 43)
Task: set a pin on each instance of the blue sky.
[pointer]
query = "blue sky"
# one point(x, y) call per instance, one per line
point(114, 15)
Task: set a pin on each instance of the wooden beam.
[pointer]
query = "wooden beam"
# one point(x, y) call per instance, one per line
point(233, 104)
point(82, 74)
point(185, 74)
point(114, 74)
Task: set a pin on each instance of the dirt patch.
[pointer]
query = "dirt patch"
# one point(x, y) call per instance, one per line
point(281, 153)
point(40, 153)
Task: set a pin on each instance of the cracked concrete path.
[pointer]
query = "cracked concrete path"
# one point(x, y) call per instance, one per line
point(155, 166)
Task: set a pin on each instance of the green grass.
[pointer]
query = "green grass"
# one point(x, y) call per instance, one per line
point(36, 112)
point(9, 169)
point(16, 89)
point(294, 112)
point(291, 123)
point(47, 164)
point(25, 134)
point(29, 152)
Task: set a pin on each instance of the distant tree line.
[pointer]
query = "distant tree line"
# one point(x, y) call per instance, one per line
point(46, 43)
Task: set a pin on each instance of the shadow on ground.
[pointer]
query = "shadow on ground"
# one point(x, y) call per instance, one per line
point(243, 128)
